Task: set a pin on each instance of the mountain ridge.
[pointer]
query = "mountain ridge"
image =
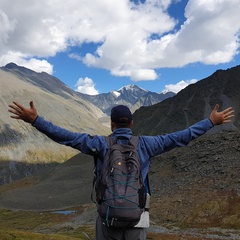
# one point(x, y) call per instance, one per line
point(129, 95)
point(193, 104)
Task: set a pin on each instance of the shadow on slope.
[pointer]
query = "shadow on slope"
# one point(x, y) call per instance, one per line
point(68, 184)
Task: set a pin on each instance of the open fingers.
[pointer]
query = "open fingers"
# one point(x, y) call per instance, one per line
point(16, 106)
point(20, 112)
point(230, 109)
point(228, 114)
point(16, 109)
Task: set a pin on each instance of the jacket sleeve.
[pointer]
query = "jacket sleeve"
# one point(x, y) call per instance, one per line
point(158, 144)
point(82, 141)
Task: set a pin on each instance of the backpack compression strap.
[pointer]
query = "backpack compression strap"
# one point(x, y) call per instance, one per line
point(134, 141)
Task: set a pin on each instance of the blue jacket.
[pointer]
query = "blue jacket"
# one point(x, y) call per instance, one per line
point(148, 146)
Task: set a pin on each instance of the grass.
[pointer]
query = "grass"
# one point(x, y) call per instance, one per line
point(7, 234)
point(18, 184)
point(26, 225)
point(222, 212)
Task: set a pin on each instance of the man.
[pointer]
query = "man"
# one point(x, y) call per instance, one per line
point(121, 123)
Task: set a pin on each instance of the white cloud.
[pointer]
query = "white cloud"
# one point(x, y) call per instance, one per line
point(86, 85)
point(143, 74)
point(75, 56)
point(178, 86)
point(23, 60)
point(6, 28)
point(209, 35)
point(38, 65)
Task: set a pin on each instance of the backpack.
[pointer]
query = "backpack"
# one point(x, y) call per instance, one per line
point(120, 191)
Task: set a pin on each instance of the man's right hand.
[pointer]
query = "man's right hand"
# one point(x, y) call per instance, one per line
point(28, 115)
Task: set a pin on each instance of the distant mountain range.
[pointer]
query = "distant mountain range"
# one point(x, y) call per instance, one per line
point(131, 95)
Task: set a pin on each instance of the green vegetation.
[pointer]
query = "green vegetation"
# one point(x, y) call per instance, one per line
point(23, 235)
point(26, 225)
point(222, 212)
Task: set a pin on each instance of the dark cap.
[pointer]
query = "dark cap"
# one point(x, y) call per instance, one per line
point(121, 114)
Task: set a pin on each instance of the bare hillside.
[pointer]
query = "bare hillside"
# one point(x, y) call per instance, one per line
point(21, 145)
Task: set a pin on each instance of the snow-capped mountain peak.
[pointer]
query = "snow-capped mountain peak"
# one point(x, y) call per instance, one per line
point(130, 95)
point(116, 93)
point(131, 88)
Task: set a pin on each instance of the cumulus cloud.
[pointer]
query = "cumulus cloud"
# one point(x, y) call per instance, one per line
point(21, 59)
point(178, 86)
point(86, 85)
point(124, 38)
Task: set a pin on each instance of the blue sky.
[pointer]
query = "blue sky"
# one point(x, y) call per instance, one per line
point(97, 46)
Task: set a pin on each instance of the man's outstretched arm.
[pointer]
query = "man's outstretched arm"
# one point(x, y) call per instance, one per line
point(30, 114)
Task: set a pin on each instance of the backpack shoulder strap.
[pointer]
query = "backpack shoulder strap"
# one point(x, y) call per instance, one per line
point(109, 140)
point(134, 141)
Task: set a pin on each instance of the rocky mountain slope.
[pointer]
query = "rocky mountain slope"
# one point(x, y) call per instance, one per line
point(192, 104)
point(198, 185)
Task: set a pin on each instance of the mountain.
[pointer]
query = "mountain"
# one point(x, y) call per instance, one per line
point(42, 80)
point(130, 95)
point(23, 146)
point(192, 104)
point(23, 149)
point(195, 187)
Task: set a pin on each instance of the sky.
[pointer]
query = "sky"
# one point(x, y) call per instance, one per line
point(98, 46)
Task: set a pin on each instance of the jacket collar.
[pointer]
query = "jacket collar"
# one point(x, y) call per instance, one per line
point(125, 132)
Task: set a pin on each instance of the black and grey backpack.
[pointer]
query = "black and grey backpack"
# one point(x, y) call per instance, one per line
point(120, 191)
